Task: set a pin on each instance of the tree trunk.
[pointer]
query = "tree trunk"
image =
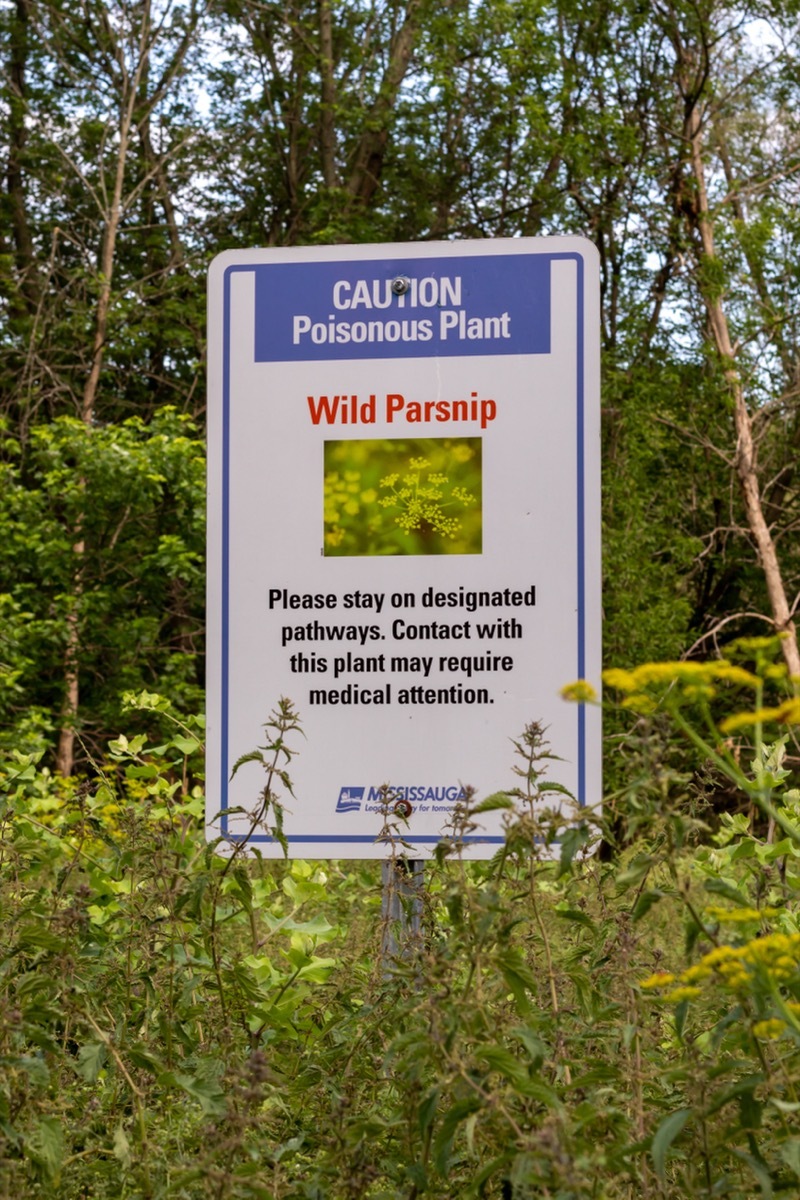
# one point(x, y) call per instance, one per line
point(702, 223)
point(24, 254)
point(371, 151)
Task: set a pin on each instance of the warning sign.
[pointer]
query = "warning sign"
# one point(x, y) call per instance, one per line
point(404, 529)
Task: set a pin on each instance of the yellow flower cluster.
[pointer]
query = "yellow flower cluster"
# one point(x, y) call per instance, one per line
point(689, 674)
point(787, 713)
point(422, 502)
point(581, 692)
point(695, 681)
point(777, 954)
point(773, 1027)
point(739, 915)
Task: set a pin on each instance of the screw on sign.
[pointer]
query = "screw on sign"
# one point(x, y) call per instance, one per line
point(404, 809)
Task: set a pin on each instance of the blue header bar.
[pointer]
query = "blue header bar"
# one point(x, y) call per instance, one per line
point(480, 304)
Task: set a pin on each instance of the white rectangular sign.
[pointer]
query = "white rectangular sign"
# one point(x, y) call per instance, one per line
point(404, 529)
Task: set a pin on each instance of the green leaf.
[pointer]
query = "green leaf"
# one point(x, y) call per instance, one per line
point(252, 756)
point(492, 803)
point(122, 1147)
point(207, 1092)
point(517, 974)
point(497, 1058)
point(186, 745)
point(759, 1169)
point(533, 1044)
point(318, 970)
point(143, 1058)
point(572, 841)
point(719, 887)
point(91, 1058)
point(427, 1110)
point(790, 1153)
point(539, 1089)
point(575, 915)
point(646, 902)
point(664, 1136)
point(635, 871)
point(742, 1087)
point(34, 1067)
point(46, 1148)
point(38, 937)
point(451, 1120)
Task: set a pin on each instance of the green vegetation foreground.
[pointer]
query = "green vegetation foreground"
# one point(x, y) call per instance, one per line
point(180, 1024)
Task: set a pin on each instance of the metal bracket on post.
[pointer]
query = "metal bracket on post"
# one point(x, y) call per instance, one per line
point(401, 907)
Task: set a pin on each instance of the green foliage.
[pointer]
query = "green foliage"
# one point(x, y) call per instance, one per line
point(182, 1024)
point(133, 496)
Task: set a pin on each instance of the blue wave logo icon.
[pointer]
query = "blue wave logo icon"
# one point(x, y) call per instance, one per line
point(350, 799)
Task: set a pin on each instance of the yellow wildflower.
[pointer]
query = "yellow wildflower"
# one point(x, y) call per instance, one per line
point(762, 950)
point(659, 979)
point(669, 672)
point(734, 674)
point(696, 973)
point(720, 954)
point(682, 993)
point(770, 1029)
point(788, 712)
point(580, 691)
point(699, 691)
point(640, 703)
point(737, 915)
point(738, 981)
point(754, 643)
point(623, 681)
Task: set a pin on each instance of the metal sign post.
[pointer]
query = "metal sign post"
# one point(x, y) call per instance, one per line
point(404, 530)
point(401, 907)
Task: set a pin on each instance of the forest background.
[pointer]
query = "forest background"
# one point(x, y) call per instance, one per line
point(142, 138)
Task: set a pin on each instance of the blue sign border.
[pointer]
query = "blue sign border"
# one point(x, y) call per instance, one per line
point(342, 838)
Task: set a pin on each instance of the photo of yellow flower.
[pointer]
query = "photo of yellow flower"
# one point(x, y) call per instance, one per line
point(402, 496)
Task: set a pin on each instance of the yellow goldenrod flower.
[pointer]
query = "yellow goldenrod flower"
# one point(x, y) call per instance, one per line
point(699, 691)
point(621, 680)
point(659, 979)
point(735, 915)
point(696, 973)
point(720, 954)
point(770, 1029)
point(739, 981)
point(580, 691)
point(788, 712)
point(733, 674)
point(640, 703)
point(682, 993)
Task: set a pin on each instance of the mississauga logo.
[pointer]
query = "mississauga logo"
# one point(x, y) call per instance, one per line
point(376, 799)
point(350, 799)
